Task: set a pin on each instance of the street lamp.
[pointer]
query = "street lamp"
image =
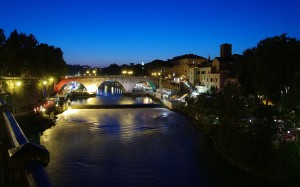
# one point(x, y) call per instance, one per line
point(51, 81)
point(15, 87)
point(125, 72)
point(45, 93)
point(19, 83)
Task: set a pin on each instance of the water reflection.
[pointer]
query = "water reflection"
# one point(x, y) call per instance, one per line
point(116, 99)
point(134, 147)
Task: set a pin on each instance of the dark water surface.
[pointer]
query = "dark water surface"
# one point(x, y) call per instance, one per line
point(135, 147)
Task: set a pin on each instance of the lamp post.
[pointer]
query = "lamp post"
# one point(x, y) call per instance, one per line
point(44, 87)
point(15, 85)
point(51, 81)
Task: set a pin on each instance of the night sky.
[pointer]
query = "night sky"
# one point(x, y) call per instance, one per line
point(99, 33)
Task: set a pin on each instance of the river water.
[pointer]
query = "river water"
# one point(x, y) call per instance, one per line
point(134, 147)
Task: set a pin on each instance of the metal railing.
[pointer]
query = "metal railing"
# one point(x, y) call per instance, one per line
point(27, 159)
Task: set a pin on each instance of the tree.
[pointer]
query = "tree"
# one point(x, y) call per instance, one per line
point(274, 64)
point(2, 38)
point(22, 55)
point(18, 52)
point(2, 42)
point(48, 61)
point(112, 69)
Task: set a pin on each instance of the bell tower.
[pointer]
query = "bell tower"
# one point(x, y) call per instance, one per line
point(225, 50)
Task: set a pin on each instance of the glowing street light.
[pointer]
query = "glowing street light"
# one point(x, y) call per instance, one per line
point(156, 74)
point(19, 83)
point(51, 81)
point(14, 87)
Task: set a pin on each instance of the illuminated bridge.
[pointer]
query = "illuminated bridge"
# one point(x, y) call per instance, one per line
point(92, 84)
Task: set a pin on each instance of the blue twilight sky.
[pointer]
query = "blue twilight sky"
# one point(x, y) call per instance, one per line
point(102, 32)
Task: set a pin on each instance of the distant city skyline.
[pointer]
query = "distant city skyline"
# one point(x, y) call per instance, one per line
point(100, 33)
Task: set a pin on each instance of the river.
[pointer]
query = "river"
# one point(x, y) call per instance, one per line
point(134, 147)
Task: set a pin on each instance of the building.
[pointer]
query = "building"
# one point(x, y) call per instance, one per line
point(217, 73)
point(194, 75)
point(182, 65)
point(225, 50)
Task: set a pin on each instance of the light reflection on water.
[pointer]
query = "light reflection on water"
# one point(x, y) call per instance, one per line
point(116, 99)
point(134, 147)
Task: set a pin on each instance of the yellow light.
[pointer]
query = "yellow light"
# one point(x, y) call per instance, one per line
point(51, 79)
point(44, 82)
point(94, 71)
point(92, 88)
point(87, 71)
point(19, 83)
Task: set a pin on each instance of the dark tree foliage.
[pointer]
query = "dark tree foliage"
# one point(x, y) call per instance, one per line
point(49, 60)
point(22, 55)
point(272, 67)
point(158, 64)
point(2, 37)
point(221, 115)
point(2, 42)
point(187, 56)
point(75, 69)
point(112, 69)
point(139, 70)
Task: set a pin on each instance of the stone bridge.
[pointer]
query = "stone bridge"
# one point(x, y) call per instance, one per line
point(92, 83)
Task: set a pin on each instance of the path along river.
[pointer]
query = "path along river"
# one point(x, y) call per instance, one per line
point(134, 147)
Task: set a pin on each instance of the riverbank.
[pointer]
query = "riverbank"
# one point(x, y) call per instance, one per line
point(247, 146)
point(260, 172)
point(33, 125)
point(252, 170)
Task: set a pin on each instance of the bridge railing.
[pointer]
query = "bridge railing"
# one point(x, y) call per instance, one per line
point(25, 161)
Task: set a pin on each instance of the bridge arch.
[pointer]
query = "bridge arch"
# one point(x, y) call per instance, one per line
point(60, 85)
point(92, 83)
point(110, 87)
